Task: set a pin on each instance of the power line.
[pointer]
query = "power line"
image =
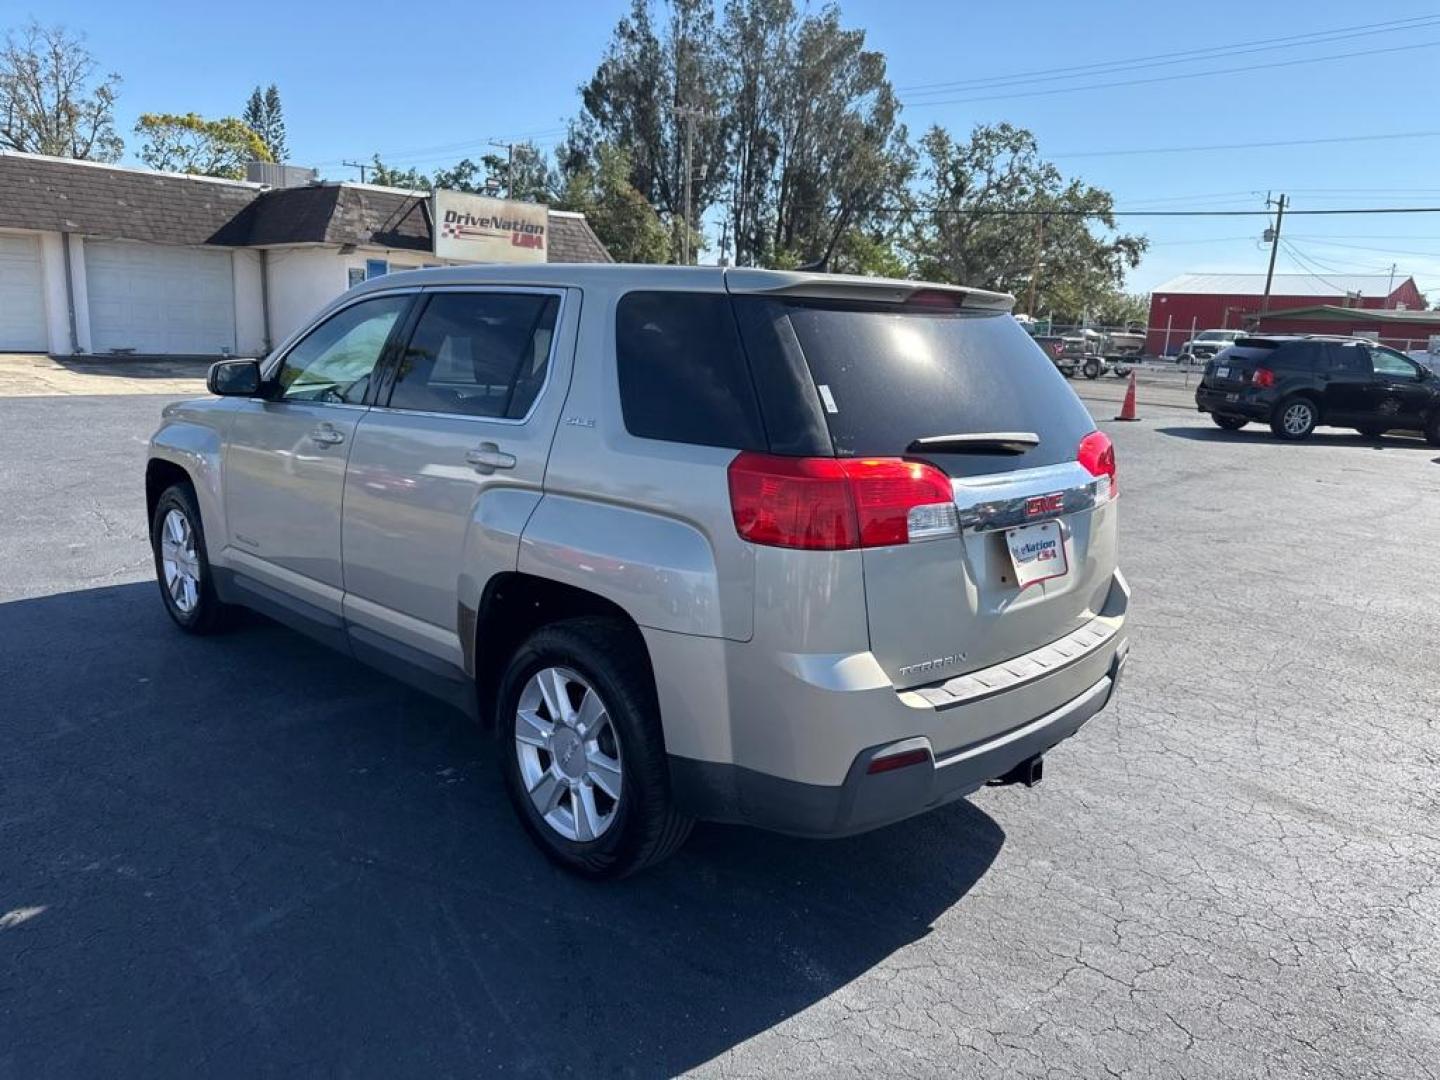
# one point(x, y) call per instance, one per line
point(1018, 212)
point(1153, 59)
point(1173, 78)
point(1382, 250)
point(1307, 267)
point(1341, 266)
point(1263, 145)
point(446, 148)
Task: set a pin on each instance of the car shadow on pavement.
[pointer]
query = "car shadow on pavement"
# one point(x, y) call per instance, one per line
point(245, 855)
point(1334, 437)
point(137, 367)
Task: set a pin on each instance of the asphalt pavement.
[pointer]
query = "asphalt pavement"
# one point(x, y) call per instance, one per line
point(246, 856)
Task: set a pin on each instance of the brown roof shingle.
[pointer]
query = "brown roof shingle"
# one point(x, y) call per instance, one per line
point(125, 204)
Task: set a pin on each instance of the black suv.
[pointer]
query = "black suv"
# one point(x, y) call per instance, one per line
point(1295, 383)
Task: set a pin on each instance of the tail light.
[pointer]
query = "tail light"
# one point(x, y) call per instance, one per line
point(830, 504)
point(1264, 378)
point(1097, 454)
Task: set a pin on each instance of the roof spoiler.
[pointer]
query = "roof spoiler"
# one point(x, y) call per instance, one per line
point(853, 287)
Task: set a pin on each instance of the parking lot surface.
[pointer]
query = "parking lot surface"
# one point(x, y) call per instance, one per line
point(247, 856)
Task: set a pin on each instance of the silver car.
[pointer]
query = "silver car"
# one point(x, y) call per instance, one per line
point(806, 552)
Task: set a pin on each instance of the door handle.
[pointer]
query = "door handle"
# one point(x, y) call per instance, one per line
point(487, 457)
point(326, 435)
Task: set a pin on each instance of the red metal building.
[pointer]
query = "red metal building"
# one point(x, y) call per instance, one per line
point(1408, 331)
point(1191, 303)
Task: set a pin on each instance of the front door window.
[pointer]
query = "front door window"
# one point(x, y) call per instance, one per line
point(335, 361)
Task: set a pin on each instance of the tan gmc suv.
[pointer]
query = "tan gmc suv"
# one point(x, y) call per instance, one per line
point(807, 552)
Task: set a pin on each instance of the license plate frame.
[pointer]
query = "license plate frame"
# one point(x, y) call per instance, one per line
point(1037, 552)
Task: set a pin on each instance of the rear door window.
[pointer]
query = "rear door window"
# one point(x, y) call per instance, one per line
point(886, 376)
point(683, 372)
point(477, 354)
point(1348, 360)
point(1298, 356)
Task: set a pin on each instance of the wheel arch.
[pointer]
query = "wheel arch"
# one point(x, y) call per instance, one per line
point(513, 605)
point(161, 474)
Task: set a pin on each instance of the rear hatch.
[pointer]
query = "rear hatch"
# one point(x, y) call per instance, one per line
point(1233, 369)
point(964, 390)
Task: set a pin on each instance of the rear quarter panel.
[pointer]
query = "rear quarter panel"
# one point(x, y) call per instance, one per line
point(643, 523)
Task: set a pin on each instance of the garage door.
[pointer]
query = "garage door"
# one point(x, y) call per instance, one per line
point(159, 300)
point(22, 297)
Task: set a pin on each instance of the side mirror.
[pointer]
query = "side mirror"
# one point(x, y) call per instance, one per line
point(234, 378)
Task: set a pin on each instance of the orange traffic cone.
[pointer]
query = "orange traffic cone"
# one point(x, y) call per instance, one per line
point(1127, 410)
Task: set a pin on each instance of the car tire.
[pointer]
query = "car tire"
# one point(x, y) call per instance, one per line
point(1295, 418)
point(1372, 432)
point(1229, 423)
point(591, 786)
point(1092, 369)
point(182, 566)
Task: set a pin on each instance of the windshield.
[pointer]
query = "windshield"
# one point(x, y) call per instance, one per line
point(886, 377)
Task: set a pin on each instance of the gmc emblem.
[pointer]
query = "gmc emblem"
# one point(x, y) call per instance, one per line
point(1045, 504)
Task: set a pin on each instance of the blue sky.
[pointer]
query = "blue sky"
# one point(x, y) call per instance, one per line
point(426, 84)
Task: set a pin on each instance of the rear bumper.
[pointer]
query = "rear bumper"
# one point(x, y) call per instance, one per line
point(864, 801)
point(1216, 401)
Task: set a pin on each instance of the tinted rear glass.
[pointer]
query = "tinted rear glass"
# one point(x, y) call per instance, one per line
point(1247, 354)
point(886, 377)
point(1298, 355)
point(683, 374)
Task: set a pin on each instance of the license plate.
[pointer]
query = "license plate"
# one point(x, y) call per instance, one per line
point(1222, 372)
point(1232, 397)
point(1037, 552)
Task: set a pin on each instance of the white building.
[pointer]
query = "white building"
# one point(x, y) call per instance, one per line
point(101, 259)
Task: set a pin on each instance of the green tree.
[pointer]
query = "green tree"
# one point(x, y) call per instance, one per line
point(1117, 308)
point(992, 212)
point(624, 221)
point(841, 153)
point(524, 173)
point(795, 130)
point(655, 81)
point(192, 144)
point(464, 175)
point(265, 116)
point(51, 100)
point(533, 179)
point(385, 176)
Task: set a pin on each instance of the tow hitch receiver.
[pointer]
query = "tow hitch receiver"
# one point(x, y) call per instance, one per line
point(1028, 772)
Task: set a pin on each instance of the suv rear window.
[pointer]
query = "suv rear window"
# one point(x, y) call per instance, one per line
point(683, 375)
point(887, 376)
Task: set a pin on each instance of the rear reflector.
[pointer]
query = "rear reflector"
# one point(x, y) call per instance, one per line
point(902, 760)
point(832, 504)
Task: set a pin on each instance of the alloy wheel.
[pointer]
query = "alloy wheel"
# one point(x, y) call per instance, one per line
point(1298, 418)
point(179, 561)
point(568, 753)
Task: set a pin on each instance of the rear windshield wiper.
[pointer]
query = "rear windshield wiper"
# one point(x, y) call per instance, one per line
point(979, 442)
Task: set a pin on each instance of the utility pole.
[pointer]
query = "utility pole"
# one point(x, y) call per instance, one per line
point(1035, 269)
point(689, 116)
point(357, 165)
point(1390, 288)
point(509, 166)
point(1279, 205)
